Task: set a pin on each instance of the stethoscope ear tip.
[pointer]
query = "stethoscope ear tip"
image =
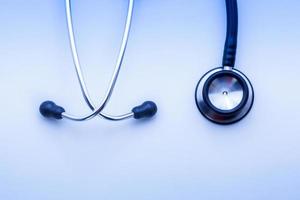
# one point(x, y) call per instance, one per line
point(50, 110)
point(147, 110)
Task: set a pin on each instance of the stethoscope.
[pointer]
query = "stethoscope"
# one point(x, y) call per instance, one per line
point(50, 110)
point(225, 95)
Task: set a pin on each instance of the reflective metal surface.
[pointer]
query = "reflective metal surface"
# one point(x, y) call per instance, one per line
point(98, 109)
point(225, 93)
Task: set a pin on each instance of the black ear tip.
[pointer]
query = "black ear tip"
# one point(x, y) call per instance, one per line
point(50, 110)
point(146, 110)
point(45, 107)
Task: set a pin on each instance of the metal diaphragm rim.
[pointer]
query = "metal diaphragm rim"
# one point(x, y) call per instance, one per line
point(222, 116)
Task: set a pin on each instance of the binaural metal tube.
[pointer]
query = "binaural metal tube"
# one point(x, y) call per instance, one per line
point(98, 109)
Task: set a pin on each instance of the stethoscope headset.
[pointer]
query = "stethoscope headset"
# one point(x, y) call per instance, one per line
point(50, 110)
point(223, 95)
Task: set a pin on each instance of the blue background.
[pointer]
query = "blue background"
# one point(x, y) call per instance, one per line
point(177, 155)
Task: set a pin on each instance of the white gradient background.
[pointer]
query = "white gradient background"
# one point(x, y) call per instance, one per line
point(175, 156)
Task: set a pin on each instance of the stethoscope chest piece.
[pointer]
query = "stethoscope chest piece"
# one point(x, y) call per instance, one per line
point(224, 95)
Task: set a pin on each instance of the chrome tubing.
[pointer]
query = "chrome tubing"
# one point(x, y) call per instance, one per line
point(97, 110)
